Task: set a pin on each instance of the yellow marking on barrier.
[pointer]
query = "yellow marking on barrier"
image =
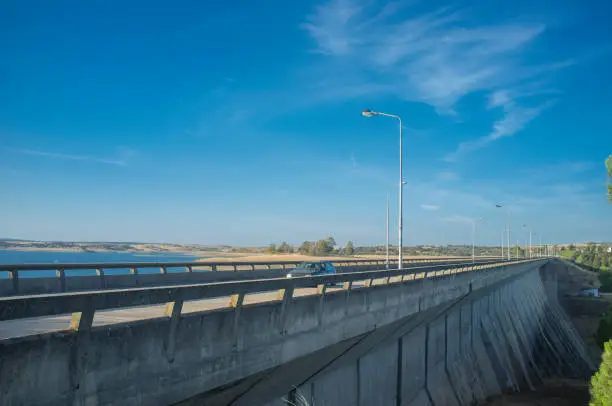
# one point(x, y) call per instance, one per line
point(234, 300)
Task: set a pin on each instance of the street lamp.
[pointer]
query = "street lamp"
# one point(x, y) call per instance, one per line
point(507, 227)
point(525, 226)
point(370, 113)
point(387, 223)
point(474, 237)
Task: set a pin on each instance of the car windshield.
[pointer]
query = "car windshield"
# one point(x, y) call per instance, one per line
point(309, 265)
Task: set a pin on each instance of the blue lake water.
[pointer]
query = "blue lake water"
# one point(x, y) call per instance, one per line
point(30, 257)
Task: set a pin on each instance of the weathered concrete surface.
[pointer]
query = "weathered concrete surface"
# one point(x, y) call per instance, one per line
point(505, 336)
point(451, 339)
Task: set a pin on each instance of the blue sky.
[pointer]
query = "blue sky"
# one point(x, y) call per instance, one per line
point(239, 123)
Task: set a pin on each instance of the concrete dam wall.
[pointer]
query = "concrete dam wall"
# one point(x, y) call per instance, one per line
point(508, 335)
point(450, 339)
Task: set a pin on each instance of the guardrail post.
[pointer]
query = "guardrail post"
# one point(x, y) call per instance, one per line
point(388, 280)
point(235, 267)
point(287, 296)
point(188, 268)
point(100, 273)
point(252, 267)
point(236, 302)
point(83, 320)
point(134, 271)
point(173, 311)
point(61, 274)
point(163, 270)
point(14, 276)
point(321, 289)
point(213, 267)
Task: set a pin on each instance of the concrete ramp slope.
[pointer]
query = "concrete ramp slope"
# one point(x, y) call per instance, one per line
point(448, 339)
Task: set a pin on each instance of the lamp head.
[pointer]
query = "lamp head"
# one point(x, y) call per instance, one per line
point(368, 113)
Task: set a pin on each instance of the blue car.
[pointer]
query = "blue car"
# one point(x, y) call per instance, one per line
point(313, 268)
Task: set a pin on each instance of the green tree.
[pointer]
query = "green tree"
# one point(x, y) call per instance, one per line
point(271, 249)
point(596, 262)
point(331, 243)
point(604, 330)
point(349, 249)
point(284, 247)
point(601, 382)
point(306, 248)
point(322, 248)
point(606, 281)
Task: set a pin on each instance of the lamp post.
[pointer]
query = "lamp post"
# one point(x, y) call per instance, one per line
point(525, 226)
point(518, 248)
point(474, 238)
point(499, 206)
point(387, 224)
point(541, 247)
point(370, 113)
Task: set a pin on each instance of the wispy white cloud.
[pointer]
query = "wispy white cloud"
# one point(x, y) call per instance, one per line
point(121, 158)
point(456, 218)
point(430, 207)
point(559, 169)
point(514, 120)
point(499, 98)
point(354, 160)
point(330, 26)
point(437, 57)
point(447, 176)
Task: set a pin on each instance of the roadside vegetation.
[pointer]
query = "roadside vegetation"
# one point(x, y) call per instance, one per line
point(601, 382)
point(601, 259)
point(595, 257)
point(329, 247)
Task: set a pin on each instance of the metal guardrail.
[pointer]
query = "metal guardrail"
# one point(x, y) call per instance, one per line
point(15, 271)
point(200, 265)
point(83, 305)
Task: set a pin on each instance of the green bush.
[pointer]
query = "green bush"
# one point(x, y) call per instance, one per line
point(601, 383)
point(605, 277)
point(604, 331)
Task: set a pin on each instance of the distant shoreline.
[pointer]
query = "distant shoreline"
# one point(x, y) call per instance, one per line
point(127, 251)
point(77, 249)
